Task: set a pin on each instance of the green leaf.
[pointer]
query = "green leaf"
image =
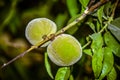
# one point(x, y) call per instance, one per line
point(72, 7)
point(114, 27)
point(92, 26)
point(116, 22)
point(84, 3)
point(108, 8)
point(112, 74)
point(63, 73)
point(88, 52)
point(97, 42)
point(97, 50)
point(47, 66)
point(107, 62)
point(100, 13)
point(112, 43)
point(115, 31)
point(97, 62)
point(98, 26)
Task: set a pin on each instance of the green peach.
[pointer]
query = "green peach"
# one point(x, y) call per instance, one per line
point(64, 50)
point(39, 27)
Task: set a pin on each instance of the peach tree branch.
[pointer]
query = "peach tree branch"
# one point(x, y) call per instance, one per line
point(86, 12)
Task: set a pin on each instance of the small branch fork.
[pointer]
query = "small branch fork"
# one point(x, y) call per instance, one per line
point(110, 18)
point(88, 10)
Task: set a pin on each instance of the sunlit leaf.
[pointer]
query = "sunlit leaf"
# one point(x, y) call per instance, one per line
point(88, 52)
point(107, 62)
point(97, 62)
point(63, 73)
point(100, 13)
point(47, 66)
point(114, 27)
point(112, 74)
point(97, 42)
point(97, 50)
point(112, 43)
point(72, 7)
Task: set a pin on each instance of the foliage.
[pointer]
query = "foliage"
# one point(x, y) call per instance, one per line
point(99, 34)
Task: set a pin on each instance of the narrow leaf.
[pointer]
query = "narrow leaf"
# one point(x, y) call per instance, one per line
point(97, 50)
point(112, 74)
point(112, 43)
point(72, 7)
point(108, 8)
point(97, 62)
point(88, 52)
point(98, 26)
point(47, 66)
point(100, 13)
point(97, 42)
point(107, 62)
point(84, 3)
point(63, 73)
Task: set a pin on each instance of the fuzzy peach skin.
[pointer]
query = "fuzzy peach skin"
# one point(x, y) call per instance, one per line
point(39, 27)
point(64, 50)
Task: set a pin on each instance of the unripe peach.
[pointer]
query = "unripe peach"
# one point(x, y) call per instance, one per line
point(64, 50)
point(39, 27)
